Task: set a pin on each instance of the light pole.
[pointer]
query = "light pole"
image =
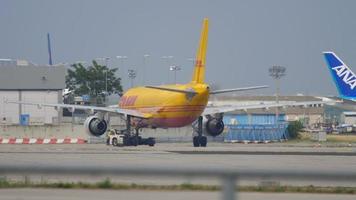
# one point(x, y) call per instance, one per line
point(106, 60)
point(122, 59)
point(144, 68)
point(106, 75)
point(132, 75)
point(174, 68)
point(277, 72)
point(168, 62)
point(83, 64)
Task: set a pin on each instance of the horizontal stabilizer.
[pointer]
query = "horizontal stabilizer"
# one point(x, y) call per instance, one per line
point(238, 89)
point(189, 92)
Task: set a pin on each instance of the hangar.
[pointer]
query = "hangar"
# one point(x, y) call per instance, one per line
point(21, 80)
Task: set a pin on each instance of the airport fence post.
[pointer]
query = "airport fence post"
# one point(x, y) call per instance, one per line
point(228, 187)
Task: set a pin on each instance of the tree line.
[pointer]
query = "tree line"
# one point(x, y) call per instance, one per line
point(97, 81)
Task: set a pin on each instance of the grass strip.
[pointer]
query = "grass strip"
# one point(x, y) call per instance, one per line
point(107, 184)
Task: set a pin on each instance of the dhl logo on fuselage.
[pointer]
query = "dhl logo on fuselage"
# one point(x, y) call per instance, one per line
point(199, 63)
point(128, 101)
point(347, 75)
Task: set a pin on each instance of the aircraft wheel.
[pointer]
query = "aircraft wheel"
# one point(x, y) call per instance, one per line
point(203, 141)
point(196, 141)
point(114, 142)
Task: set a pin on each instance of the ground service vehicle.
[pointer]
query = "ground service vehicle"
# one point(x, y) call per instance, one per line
point(119, 138)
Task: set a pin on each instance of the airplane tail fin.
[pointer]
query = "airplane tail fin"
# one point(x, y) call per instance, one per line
point(344, 78)
point(199, 69)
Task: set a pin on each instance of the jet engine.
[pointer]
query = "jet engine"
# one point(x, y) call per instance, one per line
point(213, 126)
point(95, 126)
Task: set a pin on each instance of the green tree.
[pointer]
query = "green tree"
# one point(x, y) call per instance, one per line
point(93, 81)
point(294, 128)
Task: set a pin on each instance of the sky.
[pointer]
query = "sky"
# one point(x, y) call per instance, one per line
point(246, 37)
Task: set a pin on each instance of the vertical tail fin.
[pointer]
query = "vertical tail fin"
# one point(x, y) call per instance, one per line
point(344, 78)
point(199, 69)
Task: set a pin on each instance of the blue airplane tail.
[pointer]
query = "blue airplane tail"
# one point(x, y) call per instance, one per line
point(344, 78)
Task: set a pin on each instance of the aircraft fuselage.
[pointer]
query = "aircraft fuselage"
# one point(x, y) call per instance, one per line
point(167, 109)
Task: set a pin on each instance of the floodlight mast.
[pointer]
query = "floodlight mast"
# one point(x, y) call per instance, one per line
point(106, 60)
point(132, 75)
point(145, 57)
point(122, 60)
point(277, 72)
point(168, 60)
point(175, 68)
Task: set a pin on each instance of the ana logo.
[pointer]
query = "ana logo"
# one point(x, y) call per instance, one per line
point(347, 76)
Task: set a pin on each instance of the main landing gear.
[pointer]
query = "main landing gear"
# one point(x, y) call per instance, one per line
point(200, 140)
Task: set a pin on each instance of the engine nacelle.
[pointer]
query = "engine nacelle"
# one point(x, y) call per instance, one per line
point(213, 126)
point(95, 126)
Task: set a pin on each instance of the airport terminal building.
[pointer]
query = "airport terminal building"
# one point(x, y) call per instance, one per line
point(23, 81)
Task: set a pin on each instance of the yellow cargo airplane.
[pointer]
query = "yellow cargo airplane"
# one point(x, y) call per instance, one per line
point(168, 106)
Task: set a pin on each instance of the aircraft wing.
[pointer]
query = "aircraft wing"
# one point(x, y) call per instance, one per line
point(72, 107)
point(222, 109)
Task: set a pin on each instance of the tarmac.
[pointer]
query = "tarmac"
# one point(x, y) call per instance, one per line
point(216, 156)
point(275, 156)
point(56, 194)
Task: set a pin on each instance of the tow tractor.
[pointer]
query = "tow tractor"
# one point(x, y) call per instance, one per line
point(122, 138)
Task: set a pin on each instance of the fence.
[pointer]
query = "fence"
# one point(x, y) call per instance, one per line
point(256, 133)
point(228, 177)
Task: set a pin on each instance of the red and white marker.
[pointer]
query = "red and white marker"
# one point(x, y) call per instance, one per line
point(42, 141)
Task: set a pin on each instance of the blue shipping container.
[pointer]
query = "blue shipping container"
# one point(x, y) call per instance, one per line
point(256, 133)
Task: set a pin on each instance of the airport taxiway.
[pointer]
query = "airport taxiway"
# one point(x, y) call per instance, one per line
point(56, 194)
point(216, 156)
